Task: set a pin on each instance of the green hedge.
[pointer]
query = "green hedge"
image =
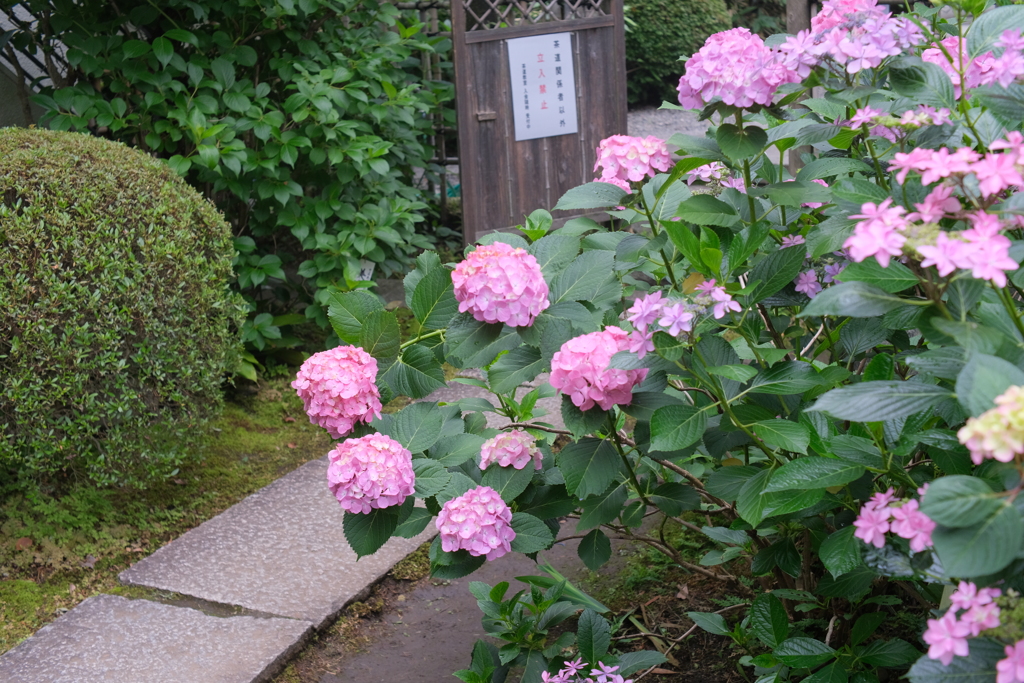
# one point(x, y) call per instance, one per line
point(663, 31)
point(116, 322)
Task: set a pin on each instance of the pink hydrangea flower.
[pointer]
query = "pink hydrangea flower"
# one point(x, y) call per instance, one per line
point(514, 449)
point(792, 241)
point(624, 158)
point(946, 638)
point(498, 283)
point(1011, 669)
point(580, 370)
point(478, 521)
point(736, 66)
point(807, 283)
point(878, 233)
point(836, 12)
point(723, 302)
point(676, 318)
point(981, 618)
point(984, 69)
point(707, 173)
point(373, 471)
point(645, 310)
point(641, 342)
point(338, 389)
point(936, 205)
point(996, 172)
point(997, 433)
point(944, 254)
point(832, 272)
point(865, 116)
point(872, 524)
point(910, 523)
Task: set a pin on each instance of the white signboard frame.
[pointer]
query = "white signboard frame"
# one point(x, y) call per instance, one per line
point(543, 86)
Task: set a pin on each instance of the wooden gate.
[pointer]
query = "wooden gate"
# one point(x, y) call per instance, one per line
point(502, 179)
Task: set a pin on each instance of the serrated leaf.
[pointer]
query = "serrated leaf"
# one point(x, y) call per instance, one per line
point(431, 477)
point(676, 427)
point(417, 426)
point(894, 278)
point(813, 472)
point(471, 343)
point(740, 373)
point(508, 481)
point(590, 277)
point(703, 209)
point(593, 636)
point(775, 271)
point(554, 252)
point(803, 653)
point(594, 549)
point(348, 310)
point(380, 336)
point(982, 379)
point(840, 552)
point(596, 195)
point(712, 623)
point(433, 301)
point(416, 374)
point(826, 167)
point(631, 662)
point(983, 548)
point(532, 535)
point(878, 401)
point(959, 501)
point(790, 377)
point(673, 498)
point(515, 368)
point(414, 524)
point(367, 533)
point(979, 666)
point(784, 434)
point(589, 466)
point(457, 449)
point(853, 299)
point(768, 619)
point(739, 144)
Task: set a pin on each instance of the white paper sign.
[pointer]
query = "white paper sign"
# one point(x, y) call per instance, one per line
point(543, 86)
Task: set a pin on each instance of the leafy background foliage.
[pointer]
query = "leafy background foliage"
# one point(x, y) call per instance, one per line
point(303, 121)
point(117, 323)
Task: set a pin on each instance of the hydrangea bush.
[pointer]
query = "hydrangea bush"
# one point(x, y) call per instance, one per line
point(828, 367)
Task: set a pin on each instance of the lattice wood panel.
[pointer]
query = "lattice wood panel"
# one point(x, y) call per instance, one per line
point(483, 15)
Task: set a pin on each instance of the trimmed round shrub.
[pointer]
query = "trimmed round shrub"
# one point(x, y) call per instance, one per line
point(116, 320)
point(660, 33)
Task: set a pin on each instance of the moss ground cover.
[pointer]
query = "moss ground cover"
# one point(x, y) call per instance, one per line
point(55, 552)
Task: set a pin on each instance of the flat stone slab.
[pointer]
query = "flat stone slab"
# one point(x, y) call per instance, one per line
point(280, 551)
point(116, 640)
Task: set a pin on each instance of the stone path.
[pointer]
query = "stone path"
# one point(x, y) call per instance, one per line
point(276, 563)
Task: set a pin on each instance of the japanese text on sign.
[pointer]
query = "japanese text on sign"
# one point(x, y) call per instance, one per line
point(543, 86)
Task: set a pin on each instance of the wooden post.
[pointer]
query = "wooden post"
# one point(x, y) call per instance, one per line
point(798, 18)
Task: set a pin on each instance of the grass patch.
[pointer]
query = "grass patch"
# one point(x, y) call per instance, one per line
point(55, 552)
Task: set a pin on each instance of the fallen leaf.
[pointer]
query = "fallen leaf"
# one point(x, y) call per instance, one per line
point(23, 543)
point(291, 445)
point(289, 419)
point(684, 592)
point(72, 588)
point(179, 482)
point(664, 672)
point(88, 563)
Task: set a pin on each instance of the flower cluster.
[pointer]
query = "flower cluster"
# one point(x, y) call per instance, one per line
point(571, 672)
point(338, 389)
point(951, 56)
point(884, 228)
point(855, 34)
point(623, 158)
point(373, 471)
point(715, 171)
point(674, 316)
point(478, 521)
point(883, 513)
point(580, 370)
point(997, 433)
point(947, 636)
point(808, 282)
point(884, 124)
point(514, 449)
point(736, 66)
point(498, 283)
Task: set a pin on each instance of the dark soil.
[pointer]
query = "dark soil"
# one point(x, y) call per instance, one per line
point(421, 630)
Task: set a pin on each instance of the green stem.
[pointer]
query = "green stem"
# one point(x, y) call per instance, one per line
point(421, 336)
point(614, 433)
point(878, 165)
point(1004, 295)
point(668, 262)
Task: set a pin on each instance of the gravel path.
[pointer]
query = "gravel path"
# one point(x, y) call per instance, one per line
point(663, 123)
